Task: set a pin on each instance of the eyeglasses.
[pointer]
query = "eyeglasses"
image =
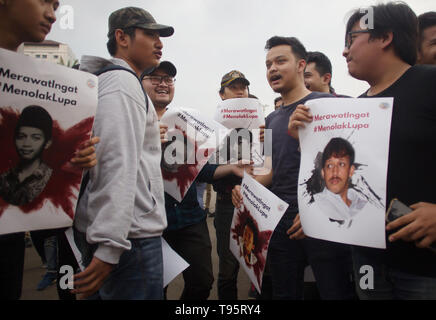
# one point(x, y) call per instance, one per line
point(156, 80)
point(349, 39)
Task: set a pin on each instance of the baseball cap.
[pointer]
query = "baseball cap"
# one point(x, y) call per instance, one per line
point(231, 76)
point(165, 65)
point(136, 17)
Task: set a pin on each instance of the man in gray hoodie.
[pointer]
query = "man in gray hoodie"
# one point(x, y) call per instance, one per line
point(121, 215)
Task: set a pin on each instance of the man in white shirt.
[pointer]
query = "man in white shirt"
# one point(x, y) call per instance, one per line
point(337, 200)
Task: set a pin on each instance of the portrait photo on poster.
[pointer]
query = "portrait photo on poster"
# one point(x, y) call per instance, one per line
point(35, 165)
point(252, 242)
point(337, 185)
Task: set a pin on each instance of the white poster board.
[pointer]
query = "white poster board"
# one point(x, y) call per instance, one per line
point(192, 139)
point(239, 114)
point(343, 172)
point(46, 112)
point(252, 227)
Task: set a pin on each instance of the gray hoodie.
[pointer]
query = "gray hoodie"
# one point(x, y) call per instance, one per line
point(124, 197)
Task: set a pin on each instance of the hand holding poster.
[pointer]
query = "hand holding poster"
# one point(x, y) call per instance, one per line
point(192, 139)
point(46, 113)
point(239, 114)
point(343, 172)
point(252, 227)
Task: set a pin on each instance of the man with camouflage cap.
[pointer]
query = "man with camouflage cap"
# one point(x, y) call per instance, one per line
point(233, 85)
point(121, 215)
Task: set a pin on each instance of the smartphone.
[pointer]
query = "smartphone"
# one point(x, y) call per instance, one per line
point(398, 209)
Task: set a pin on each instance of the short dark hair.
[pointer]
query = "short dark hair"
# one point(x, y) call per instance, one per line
point(338, 147)
point(277, 99)
point(112, 42)
point(426, 20)
point(297, 47)
point(36, 117)
point(322, 62)
point(395, 17)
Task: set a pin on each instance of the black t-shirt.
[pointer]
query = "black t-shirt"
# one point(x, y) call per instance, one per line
point(412, 158)
point(285, 154)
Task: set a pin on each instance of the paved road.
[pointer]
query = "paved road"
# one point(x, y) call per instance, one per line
point(33, 273)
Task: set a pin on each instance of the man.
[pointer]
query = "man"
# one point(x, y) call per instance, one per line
point(277, 103)
point(288, 251)
point(187, 232)
point(427, 38)
point(22, 21)
point(338, 201)
point(121, 216)
point(385, 57)
point(318, 73)
point(233, 85)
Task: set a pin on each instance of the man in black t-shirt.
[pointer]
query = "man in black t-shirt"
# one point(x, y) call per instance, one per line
point(289, 251)
point(384, 57)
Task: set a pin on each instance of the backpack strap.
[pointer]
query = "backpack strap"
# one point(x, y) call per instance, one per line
point(112, 67)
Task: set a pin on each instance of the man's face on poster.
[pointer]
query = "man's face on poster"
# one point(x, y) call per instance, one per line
point(30, 142)
point(248, 243)
point(336, 173)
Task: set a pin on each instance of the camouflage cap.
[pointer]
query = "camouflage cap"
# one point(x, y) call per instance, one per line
point(228, 78)
point(136, 17)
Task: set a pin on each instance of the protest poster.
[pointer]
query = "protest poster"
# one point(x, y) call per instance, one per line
point(343, 171)
point(252, 227)
point(243, 116)
point(192, 140)
point(46, 112)
point(173, 263)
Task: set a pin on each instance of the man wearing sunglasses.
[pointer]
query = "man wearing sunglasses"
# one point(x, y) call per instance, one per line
point(385, 57)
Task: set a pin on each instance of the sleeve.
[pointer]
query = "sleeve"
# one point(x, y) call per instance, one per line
point(120, 123)
point(206, 174)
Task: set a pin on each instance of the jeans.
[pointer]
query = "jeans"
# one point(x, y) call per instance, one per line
point(193, 244)
point(51, 253)
point(137, 276)
point(11, 265)
point(330, 262)
point(388, 283)
point(228, 264)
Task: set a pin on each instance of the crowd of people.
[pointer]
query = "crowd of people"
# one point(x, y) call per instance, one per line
point(124, 212)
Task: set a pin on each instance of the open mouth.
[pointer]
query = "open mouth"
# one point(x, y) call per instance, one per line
point(275, 78)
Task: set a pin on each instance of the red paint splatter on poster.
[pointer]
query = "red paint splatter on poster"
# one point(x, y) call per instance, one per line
point(65, 178)
point(243, 216)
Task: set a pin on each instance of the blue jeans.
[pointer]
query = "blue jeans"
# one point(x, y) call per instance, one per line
point(51, 253)
point(389, 283)
point(137, 276)
point(330, 262)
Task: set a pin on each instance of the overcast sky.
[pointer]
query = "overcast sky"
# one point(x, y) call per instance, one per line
point(213, 37)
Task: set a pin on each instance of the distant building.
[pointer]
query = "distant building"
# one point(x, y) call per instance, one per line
point(49, 50)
